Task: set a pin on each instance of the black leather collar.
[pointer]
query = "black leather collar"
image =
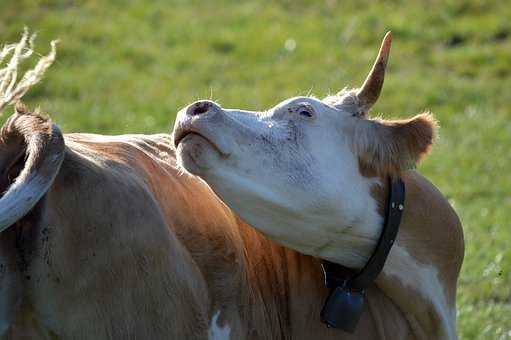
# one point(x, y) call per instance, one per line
point(344, 305)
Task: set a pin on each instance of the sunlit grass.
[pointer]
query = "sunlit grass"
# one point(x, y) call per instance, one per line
point(128, 66)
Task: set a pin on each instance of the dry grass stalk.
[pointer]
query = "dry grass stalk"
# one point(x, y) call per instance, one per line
point(12, 90)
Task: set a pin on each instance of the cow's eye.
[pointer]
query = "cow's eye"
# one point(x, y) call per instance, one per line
point(305, 111)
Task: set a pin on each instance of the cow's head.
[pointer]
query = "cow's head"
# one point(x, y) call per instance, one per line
point(302, 171)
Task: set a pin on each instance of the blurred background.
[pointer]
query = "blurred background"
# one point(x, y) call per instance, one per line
point(128, 66)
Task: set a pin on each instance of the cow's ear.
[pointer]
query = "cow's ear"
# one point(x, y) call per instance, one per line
point(390, 146)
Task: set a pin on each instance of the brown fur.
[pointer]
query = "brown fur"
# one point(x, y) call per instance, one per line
point(387, 147)
point(434, 239)
point(441, 245)
point(124, 245)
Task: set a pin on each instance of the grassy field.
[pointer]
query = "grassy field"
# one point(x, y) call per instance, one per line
point(128, 66)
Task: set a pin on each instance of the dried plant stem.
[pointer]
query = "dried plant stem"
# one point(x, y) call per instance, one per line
point(12, 90)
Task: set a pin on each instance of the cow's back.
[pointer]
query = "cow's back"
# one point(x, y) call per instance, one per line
point(99, 259)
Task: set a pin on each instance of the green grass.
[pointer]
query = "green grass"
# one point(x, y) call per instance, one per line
point(128, 66)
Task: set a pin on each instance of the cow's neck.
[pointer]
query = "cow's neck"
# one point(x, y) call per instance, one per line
point(416, 278)
point(421, 270)
point(285, 290)
point(356, 236)
point(352, 249)
point(266, 284)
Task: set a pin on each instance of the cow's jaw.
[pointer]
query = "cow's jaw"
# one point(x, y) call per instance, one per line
point(293, 178)
point(197, 153)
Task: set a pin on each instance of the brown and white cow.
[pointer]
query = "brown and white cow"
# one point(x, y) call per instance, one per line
point(107, 238)
point(311, 175)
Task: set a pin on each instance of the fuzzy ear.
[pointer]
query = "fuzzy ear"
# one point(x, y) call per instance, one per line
point(390, 146)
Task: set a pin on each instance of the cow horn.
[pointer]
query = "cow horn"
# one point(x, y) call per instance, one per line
point(370, 90)
point(45, 150)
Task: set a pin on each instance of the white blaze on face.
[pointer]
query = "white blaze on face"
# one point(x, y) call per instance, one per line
point(217, 332)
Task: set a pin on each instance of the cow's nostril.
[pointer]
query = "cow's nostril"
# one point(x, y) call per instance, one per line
point(199, 108)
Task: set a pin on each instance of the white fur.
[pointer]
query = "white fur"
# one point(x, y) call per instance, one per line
point(423, 278)
point(295, 178)
point(217, 332)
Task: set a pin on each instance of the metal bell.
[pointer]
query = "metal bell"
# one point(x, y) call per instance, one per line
point(343, 308)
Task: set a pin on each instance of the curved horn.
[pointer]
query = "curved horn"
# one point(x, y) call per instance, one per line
point(45, 150)
point(370, 90)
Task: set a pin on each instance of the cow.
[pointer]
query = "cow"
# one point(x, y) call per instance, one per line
point(108, 237)
point(105, 237)
point(311, 175)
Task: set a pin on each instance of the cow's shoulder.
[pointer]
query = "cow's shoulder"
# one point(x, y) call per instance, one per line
point(430, 245)
point(104, 223)
point(435, 226)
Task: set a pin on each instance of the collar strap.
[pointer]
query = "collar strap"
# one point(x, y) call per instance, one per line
point(343, 306)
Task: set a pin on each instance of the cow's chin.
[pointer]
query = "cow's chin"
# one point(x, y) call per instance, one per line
point(196, 154)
